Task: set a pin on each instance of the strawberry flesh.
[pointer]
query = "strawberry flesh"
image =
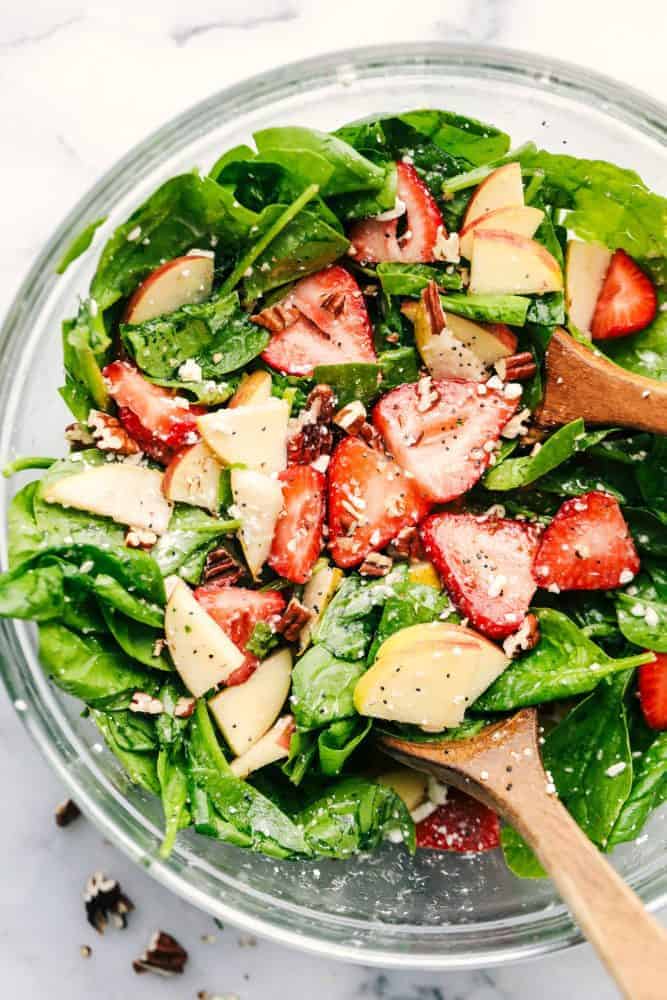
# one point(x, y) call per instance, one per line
point(653, 691)
point(587, 546)
point(375, 240)
point(332, 325)
point(237, 610)
point(370, 501)
point(298, 540)
point(486, 565)
point(462, 824)
point(627, 302)
point(447, 446)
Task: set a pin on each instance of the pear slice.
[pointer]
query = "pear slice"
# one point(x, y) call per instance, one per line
point(128, 494)
point(409, 785)
point(503, 187)
point(428, 675)
point(203, 655)
point(273, 746)
point(258, 501)
point(246, 711)
point(254, 435)
point(586, 265)
point(524, 220)
point(317, 593)
point(193, 477)
point(507, 264)
point(253, 388)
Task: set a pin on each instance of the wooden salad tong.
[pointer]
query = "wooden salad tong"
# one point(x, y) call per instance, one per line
point(502, 767)
point(581, 382)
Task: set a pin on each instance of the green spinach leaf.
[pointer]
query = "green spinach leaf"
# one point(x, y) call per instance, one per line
point(79, 244)
point(412, 279)
point(355, 815)
point(323, 688)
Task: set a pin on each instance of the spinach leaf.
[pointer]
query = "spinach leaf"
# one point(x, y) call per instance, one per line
point(648, 783)
point(26, 462)
point(566, 441)
point(191, 530)
point(138, 641)
point(563, 664)
point(355, 815)
point(350, 381)
point(262, 640)
point(518, 856)
point(338, 741)
point(110, 592)
point(33, 592)
point(24, 539)
point(415, 734)
point(511, 309)
point(644, 352)
point(136, 733)
point(412, 279)
point(648, 530)
point(85, 351)
point(459, 135)
point(471, 178)
point(413, 604)
point(578, 476)
point(652, 476)
point(173, 780)
point(361, 204)
point(347, 626)
point(209, 393)
point(642, 610)
point(323, 688)
point(302, 753)
point(398, 367)
point(140, 764)
point(216, 334)
point(90, 668)
point(79, 244)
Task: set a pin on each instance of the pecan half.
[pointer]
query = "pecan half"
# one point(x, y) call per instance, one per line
point(163, 955)
point(376, 564)
point(433, 306)
point(427, 395)
point(293, 619)
point(66, 813)
point(516, 368)
point(525, 638)
point(277, 318)
point(222, 567)
point(110, 435)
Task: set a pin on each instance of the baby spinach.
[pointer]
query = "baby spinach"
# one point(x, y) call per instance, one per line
point(511, 309)
point(140, 764)
point(351, 380)
point(648, 530)
point(173, 778)
point(467, 138)
point(191, 529)
point(302, 753)
point(398, 366)
point(642, 610)
point(26, 462)
point(562, 445)
point(323, 687)
point(79, 244)
point(644, 353)
point(413, 604)
point(338, 741)
point(33, 591)
point(208, 393)
point(518, 856)
point(110, 592)
point(24, 539)
point(649, 782)
point(564, 663)
point(652, 476)
point(138, 641)
point(347, 626)
point(85, 351)
point(412, 279)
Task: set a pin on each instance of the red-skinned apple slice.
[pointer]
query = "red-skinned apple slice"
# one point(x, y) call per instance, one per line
point(523, 220)
point(273, 746)
point(193, 476)
point(247, 711)
point(180, 282)
point(501, 188)
point(507, 264)
point(586, 265)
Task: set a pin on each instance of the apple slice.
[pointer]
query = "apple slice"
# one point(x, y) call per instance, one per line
point(428, 675)
point(507, 264)
point(409, 785)
point(524, 220)
point(317, 593)
point(203, 655)
point(586, 265)
point(246, 711)
point(182, 281)
point(489, 342)
point(258, 501)
point(252, 435)
point(128, 494)
point(273, 746)
point(501, 188)
point(253, 388)
point(193, 476)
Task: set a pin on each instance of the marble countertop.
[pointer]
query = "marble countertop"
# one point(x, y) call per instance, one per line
point(78, 86)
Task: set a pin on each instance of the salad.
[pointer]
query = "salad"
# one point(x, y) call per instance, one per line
point(308, 499)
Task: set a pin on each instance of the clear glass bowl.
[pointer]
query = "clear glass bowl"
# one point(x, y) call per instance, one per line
point(439, 911)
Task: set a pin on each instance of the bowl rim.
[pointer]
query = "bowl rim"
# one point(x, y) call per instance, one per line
point(549, 933)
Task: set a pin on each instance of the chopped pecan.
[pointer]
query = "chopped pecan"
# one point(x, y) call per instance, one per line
point(351, 417)
point(376, 564)
point(293, 619)
point(516, 368)
point(370, 436)
point(278, 317)
point(313, 436)
point(145, 704)
point(184, 708)
point(525, 638)
point(321, 403)
point(104, 901)
point(406, 545)
point(110, 435)
point(140, 538)
point(163, 955)
point(66, 813)
point(78, 436)
point(446, 247)
point(427, 395)
point(222, 567)
point(333, 302)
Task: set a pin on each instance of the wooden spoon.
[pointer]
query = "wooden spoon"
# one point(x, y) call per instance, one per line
point(582, 383)
point(501, 767)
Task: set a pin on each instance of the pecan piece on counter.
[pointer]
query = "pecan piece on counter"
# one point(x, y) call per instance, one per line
point(164, 955)
point(293, 619)
point(104, 901)
point(66, 813)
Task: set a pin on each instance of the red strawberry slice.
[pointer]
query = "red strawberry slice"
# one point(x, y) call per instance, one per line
point(370, 501)
point(160, 421)
point(627, 302)
point(327, 324)
point(443, 432)
point(486, 565)
point(462, 824)
point(375, 240)
point(653, 691)
point(587, 546)
point(298, 541)
point(237, 611)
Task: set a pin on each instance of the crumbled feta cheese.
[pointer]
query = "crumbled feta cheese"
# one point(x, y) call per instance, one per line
point(616, 769)
point(625, 576)
point(190, 371)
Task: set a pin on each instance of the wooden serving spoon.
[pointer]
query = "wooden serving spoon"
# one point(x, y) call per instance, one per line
point(501, 767)
point(582, 383)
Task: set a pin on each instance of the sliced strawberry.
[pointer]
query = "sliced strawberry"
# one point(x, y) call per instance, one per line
point(370, 501)
point(486, 565)
point(237, 611)
point(462, 824)
point(375, 240)
point(442, 432)
point(627, 302)
point(298, 540)
point(160, 421)
point(587, 546)
point(327, 323)
point(653, 691)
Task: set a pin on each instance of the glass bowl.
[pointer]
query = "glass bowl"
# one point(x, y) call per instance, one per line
point(439, 911)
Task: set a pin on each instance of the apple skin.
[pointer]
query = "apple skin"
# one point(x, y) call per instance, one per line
point(524, 220)
point(128, 494)
point(586, 265)
point(179, 282)
point(506, 264)
point(272, 747)
point(193, 477)
point(501, 188)
point(254, 388)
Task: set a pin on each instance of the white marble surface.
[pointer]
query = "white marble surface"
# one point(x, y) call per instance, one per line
point(79, 85)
